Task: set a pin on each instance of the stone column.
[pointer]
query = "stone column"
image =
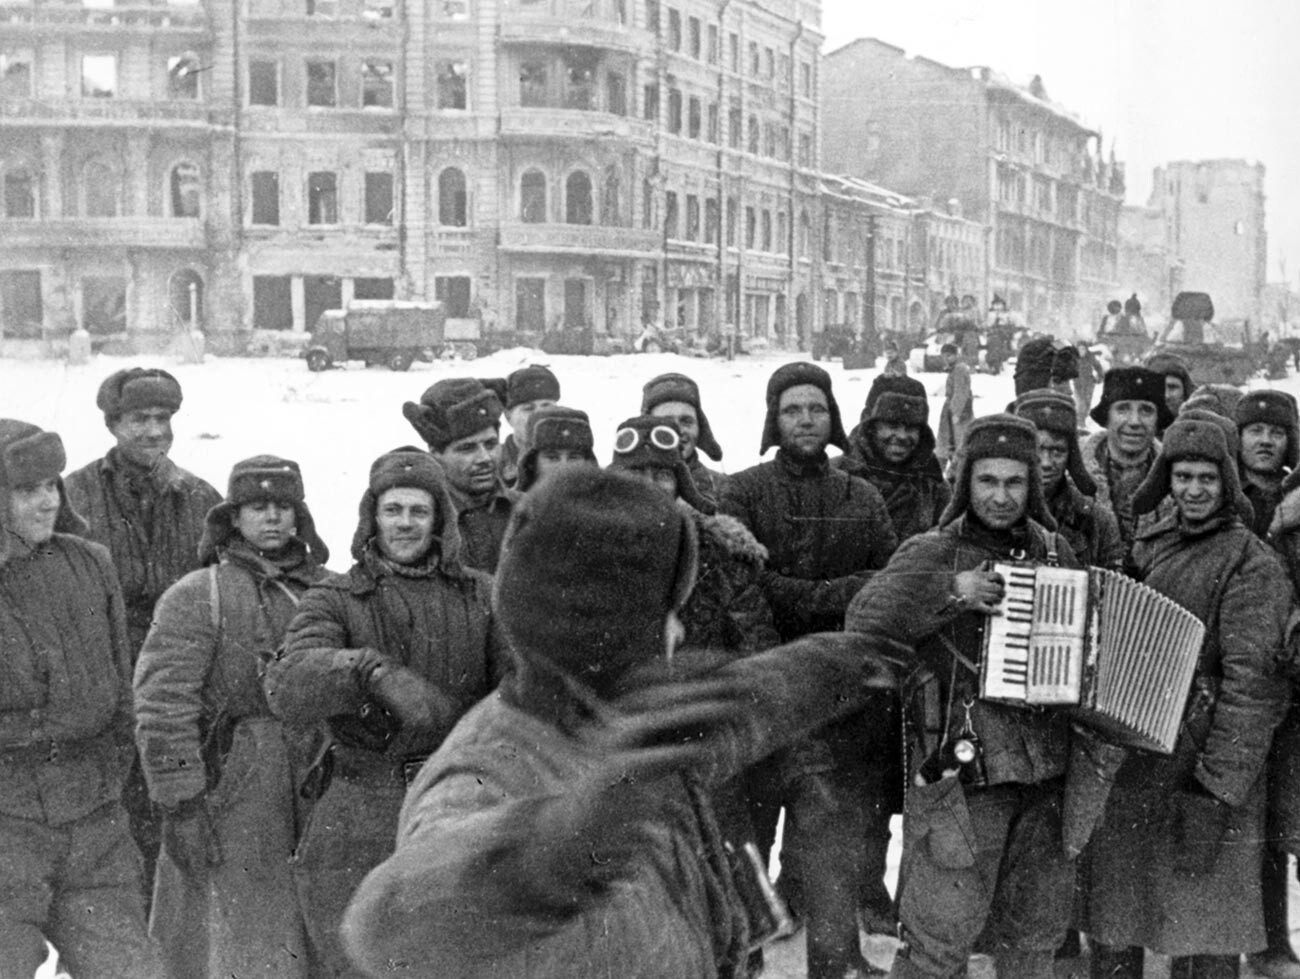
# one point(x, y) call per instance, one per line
point(298, 302)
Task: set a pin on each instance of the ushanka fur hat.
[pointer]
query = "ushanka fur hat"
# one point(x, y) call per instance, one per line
point(29, 456)
point(1052, 411)
point(999, 437)
point(679, 387)
point(409, 467)
point(453, 409)
point(554, 427)
point(792, 375)
point(264, 477)
point(138, 388)
point(1192, 438)
point(592, 563)
point(532, 383)
point(1132, 384)
point(641, 452)
point(1272, 408)
point(1222, 399)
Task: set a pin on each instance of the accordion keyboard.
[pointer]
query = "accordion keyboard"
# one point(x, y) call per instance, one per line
point(1008, 636)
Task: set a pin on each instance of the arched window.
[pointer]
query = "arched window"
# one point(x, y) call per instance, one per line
point(186, 190)
point(453, 204)
point(577, 198)
point(20, 194)
point(100, 191)
point(610, 205)
point(532, 197)
point(183, 77)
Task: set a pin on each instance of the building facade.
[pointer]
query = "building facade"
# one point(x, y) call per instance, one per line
point(1213, 217)
point(1014, 161)
point(538, 164)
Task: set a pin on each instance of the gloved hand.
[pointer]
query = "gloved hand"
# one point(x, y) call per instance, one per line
point(420, 707)
point(1200, 822)
point(189, 836)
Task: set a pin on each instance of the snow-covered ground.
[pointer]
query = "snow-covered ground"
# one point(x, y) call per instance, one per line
point(335, 423)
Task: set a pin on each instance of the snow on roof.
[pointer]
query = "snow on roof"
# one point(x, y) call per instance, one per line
point(855, 188)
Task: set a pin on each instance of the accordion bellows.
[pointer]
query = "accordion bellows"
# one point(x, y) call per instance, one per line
point(1118, 652)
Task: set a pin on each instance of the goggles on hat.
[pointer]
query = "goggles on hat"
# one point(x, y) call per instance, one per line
point(661, 437)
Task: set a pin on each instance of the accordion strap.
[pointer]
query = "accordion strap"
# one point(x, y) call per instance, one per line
point(958, 656)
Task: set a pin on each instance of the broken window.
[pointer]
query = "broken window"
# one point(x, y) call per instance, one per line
point(20, 194)
point(322, 8)
point(610, 205)
point(186, 190)
point(377, 84)
point(321, 90)
point(670, 214)
point(379, 198)
point(712, 218)
point(272, 302)
point(455, 9)
point(692, 217)
point(103, 304)
point(453, 203)
point(616, 94)
point(530, 304)
point(266, 197)
point(674, 29)
point(98, 76)
point(577, 198)
point(20, 304)
point(322, 198)
point(183, 76)
point(453, 291)
point(651, 101)
point(753, 134)
point(377, 9)
point(532, 83)
point(373, 289)
point(694, 120)
point(100, 190)
point(453, 85)
point(263, 83)
point(532, 197)
point(580, 79)
point(674, 110)
point(693, 37)
point(16, 75)
point(751, 227)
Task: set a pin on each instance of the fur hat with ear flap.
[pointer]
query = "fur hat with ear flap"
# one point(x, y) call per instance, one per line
point(264, 477)
point(410, 468)
point(647, 442)
point(1192, 438)
point(679, 387)
point(453, 409)
point(1132, 384)
point(554, 427)
point(1052, 411)
point(999, 437)
point(1272, 408)
point(138, 388)
point(28, 456)
point(793, 375)
point(592, 563)
point(1221, 399)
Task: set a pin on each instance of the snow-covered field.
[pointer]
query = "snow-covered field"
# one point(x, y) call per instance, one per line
point(335, 423)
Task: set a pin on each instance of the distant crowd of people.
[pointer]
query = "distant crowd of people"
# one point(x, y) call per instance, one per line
point(545, 723)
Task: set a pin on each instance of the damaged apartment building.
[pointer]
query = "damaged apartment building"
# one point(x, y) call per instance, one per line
point(538, 164)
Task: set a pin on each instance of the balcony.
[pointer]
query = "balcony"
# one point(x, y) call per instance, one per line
point(122, 113)
point(45, 18)
point(133, 232)
point(571, 124)
point(589, 33)
point(579, 239)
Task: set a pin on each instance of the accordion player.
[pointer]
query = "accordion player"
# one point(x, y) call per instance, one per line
point(1116, 651)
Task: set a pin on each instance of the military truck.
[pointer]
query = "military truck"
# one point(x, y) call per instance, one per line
point(385, 331)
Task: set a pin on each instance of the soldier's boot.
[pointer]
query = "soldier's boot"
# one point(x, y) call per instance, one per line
point(1115, 962)
point(1205, 967)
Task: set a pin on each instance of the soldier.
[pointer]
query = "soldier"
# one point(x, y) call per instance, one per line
point(1089, 526)
point(149, 513)
point(460, 421)
point(390, 655)
point(1178, 381)
point(958, 406)
point(1175, 863)
point(826, 533)
point(216, 761)
point(526, 390)
point(1267, 427)
point(556, 437)
point(1131, 408)
point(982, 853)
point(565, 829)
point(71, 873)
point(676, 396)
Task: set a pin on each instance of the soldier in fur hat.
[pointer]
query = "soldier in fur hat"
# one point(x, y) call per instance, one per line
point(1178, 381)
point(826, 533)
point(149, 513)
point(1175, 864)
point(958, 406)
point(676, 396)
point(460, 420)
point(1131, 409)
point(1090, 527)
point(70, 869)
point(522, 393)
point(565, 829)
point(556, 437)
point(1268, 428)
point(389, 656)
point(220, 907)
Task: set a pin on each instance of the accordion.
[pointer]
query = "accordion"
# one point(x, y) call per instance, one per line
point(1117, 652)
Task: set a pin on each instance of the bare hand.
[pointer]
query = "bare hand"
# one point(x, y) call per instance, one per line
point(980, 590)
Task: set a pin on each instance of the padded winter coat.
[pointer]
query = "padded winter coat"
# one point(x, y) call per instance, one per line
point(915, 493)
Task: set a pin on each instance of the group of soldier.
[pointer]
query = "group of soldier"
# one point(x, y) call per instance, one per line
point(535, 727)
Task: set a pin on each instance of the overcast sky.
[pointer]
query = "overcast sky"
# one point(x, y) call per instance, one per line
point(1162, 79)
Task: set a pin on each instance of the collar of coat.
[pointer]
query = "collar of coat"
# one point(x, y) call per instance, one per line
point(1031, 537)
point(729, 534)
point(295, 563)
point(500, 498)
point(164, 477)
point(921, 465)
point(1172, 523)
point(814, 468)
